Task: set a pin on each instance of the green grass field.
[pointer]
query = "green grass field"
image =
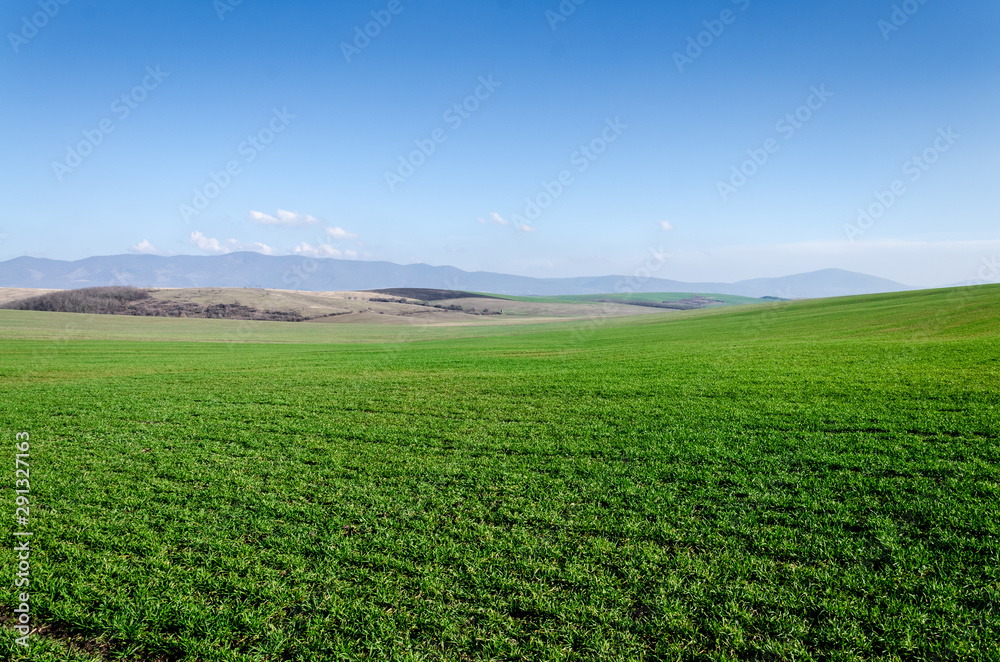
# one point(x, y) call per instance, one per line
point(815, 480)
point(729, 299)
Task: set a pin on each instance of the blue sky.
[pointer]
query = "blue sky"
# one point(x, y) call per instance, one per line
point(119, 115)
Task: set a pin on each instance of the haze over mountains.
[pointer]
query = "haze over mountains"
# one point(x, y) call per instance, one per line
point(248, 269)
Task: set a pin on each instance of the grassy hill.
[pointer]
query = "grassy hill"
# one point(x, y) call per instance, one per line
point(794, 480)
point(408, 306)
point(727, 299)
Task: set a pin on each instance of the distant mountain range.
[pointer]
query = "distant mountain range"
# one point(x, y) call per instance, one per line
point(291, 272)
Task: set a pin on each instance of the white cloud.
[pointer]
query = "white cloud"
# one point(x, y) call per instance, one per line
point(350, 253)
point(495, 218)
point(666, 225)
point(211, 245)
point(526, 228)
point(260, 217)
point(322, 250)
point(143, 248)
point(340, 233)
point(286, 219)
point(206, 244)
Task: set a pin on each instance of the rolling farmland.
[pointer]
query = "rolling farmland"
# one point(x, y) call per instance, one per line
point(814, 480)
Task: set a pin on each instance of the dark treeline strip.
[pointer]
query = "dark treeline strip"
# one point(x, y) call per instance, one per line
point(120, 300)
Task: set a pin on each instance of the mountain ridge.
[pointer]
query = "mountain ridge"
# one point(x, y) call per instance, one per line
point(292, 272)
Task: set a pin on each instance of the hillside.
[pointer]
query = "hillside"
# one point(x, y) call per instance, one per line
point(423, 308)
point(386, 305)
point(909, 315)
